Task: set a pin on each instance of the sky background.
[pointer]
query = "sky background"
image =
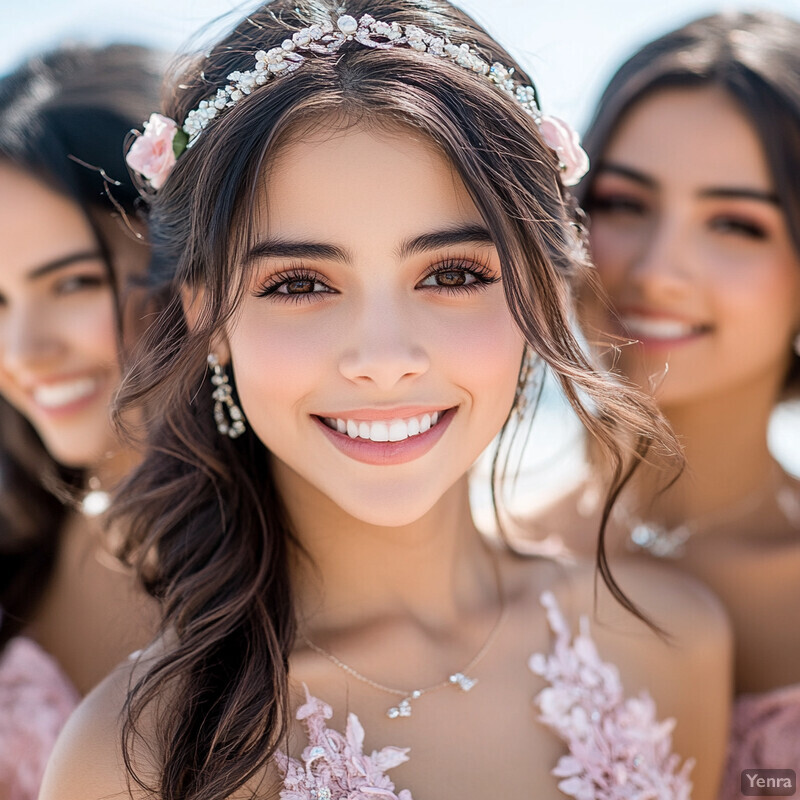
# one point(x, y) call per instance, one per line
point(570, 47)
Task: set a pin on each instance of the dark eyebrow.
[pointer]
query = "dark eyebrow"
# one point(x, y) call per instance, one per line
point(66, 261)
point(722, 192)
point(283, 248)
point(475, 234)
point(737, 193)
point(627, 172)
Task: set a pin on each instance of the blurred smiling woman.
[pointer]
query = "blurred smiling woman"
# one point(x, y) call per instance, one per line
point(695, 232)
point(66, 617)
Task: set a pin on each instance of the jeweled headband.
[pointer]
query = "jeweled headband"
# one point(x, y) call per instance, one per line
point(154, 152)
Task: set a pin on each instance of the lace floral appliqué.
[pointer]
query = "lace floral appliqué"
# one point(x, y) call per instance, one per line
point(618, 750)
point(333, 766)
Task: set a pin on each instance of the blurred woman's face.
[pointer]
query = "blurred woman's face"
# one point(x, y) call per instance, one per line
point(693, 249)
point(59, 364)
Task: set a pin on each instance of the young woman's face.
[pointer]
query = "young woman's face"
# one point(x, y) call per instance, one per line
point(693, 249)
point(374, 353)
point(58, 347)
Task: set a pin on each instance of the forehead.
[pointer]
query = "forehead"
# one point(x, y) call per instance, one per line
point(361, 187)
point(37, 223)
point(691, 135)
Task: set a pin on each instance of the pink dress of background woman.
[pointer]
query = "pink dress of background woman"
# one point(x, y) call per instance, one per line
point(35, 700)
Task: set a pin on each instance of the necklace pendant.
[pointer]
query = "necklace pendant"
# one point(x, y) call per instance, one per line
point(402, 709)
point(462, 681)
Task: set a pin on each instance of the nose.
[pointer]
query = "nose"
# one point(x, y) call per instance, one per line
point(664, 266)
point(385, 348)
point(26, 341)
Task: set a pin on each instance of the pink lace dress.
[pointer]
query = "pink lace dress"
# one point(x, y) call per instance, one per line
point(35, 701)
point(765, 734)
point(617, 749)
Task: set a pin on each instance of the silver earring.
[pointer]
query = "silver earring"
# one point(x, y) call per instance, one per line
point(796, 344)
point(232, 425)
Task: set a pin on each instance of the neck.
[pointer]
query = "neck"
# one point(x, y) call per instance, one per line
point(727, 458)
point(433, 570)
point(111, 468)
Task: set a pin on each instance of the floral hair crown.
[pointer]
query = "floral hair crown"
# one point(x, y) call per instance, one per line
point(154, 152)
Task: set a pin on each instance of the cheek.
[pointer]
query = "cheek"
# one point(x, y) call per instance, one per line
point(761, 302)
point(614, 251)
point(482, 352)
point(275, 363)
point(91, 325)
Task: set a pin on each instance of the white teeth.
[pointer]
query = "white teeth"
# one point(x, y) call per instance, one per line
point(55, 395)
point(398, 430)
point(658, 328)
point(379, 432)
point(395, 430)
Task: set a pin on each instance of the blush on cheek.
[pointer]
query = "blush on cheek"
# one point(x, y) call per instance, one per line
point(490, 351)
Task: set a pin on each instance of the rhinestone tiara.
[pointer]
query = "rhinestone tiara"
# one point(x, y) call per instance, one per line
point(326, 38)
point(154, 152)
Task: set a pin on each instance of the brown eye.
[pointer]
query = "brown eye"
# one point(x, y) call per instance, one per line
point(304, 286)
point(457, 277)
point(451, 278)
point(297, 286)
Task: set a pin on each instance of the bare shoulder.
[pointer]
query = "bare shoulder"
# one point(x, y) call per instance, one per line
point(687, 670)
point(688, 612)
point(87, 762)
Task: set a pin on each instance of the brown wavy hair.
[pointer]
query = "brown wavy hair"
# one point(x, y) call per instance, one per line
point(755, 59)
point(206, 525)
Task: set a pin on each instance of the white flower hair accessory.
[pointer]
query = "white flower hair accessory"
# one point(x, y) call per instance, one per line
point(150, 155)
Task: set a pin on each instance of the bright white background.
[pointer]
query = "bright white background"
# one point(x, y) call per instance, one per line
point(571, 47)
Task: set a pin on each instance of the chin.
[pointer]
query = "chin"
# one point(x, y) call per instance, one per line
point(75, 454)
point(394, 509)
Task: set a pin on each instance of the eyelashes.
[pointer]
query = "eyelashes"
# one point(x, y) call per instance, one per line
point(294, 285)
point(458, 275)
point(628, 208)
point(740, 226)
point(452, 276)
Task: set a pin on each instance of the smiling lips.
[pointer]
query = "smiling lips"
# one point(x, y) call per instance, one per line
point(384, 440)
point(395, 430)
point(661, 329)
point(61, 395)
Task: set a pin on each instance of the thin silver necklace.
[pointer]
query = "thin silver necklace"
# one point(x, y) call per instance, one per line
point(460, 680)
point(663, 541)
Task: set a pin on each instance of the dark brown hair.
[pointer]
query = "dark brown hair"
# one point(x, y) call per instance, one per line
point(206, 523)
point(72, 103)
point(755, 59)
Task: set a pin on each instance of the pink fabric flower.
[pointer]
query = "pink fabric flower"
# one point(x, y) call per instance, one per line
point(572, 158)
point(334, 766)
point(153, 154)
point(618, 750)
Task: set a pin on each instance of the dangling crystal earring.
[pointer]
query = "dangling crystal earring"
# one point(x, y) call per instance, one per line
point(223, 394)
